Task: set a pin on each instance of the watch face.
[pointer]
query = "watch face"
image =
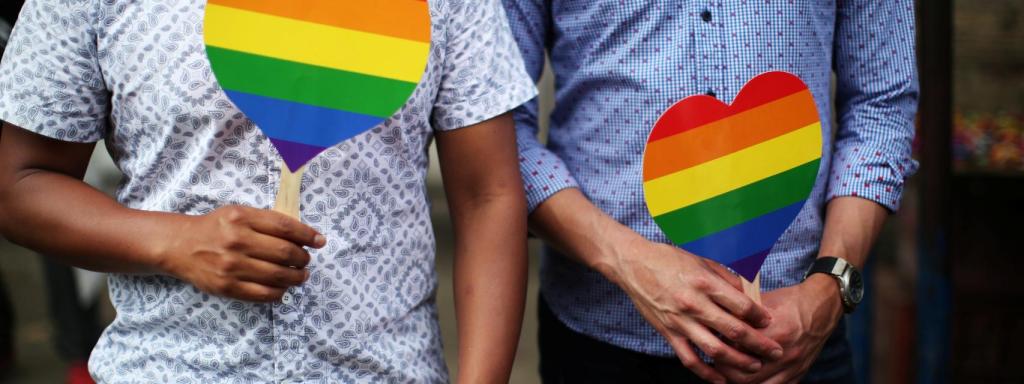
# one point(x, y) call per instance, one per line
point(856, 287)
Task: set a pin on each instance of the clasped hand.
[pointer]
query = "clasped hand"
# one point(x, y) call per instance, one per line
point(694, 302)
point(691, 300)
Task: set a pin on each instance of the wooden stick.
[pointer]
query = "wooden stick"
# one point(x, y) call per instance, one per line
point(288, 193)
point(753, 289)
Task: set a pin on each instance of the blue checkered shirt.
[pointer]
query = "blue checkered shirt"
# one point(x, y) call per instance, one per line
point(619, 64)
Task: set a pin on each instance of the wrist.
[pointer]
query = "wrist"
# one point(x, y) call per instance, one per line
point(618, 247)
point(825, 293)
point(160, 252)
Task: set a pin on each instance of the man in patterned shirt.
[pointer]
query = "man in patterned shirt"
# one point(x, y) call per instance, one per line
point(208, 287)
point(618, 304)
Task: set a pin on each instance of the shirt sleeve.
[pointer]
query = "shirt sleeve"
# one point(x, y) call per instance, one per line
point(50, 79)
point(877, 93)
point(544, 173)
point(483, 71)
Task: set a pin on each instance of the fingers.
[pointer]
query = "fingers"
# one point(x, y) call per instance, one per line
point(718, 350)
point(285, 227)
point(253, 292)
point(693, 362)
point(741, 306)
point(274, 250)
point(727, 275)
point(741, 333)
point(269, 274)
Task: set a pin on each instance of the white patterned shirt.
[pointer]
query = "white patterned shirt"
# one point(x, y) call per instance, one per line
point(135, 73)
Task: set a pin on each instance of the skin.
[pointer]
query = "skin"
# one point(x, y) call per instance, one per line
point(685, 297)
point(688, 298)
point(255, 254)
point(486, 199)
point(807, 313)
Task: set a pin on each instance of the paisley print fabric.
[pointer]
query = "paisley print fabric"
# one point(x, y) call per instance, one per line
point(135, 73)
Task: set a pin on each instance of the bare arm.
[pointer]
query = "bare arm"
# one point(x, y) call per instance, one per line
point(488, 209)
point(239, 252)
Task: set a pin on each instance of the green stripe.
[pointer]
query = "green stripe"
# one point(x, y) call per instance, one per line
point(739, 205)
point(308, 84)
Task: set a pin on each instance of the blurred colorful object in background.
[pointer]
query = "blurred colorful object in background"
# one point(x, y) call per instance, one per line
point(986, 142)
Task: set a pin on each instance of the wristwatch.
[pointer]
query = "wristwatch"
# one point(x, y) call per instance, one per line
point(851, 286)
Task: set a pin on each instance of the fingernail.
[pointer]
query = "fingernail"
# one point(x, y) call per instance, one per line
point(320, 240)
point(776, 353)
point(307, 275)
point(766, 322)
point(754, 367)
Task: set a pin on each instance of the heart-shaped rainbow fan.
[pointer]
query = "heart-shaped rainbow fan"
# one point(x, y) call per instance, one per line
point(725, 181)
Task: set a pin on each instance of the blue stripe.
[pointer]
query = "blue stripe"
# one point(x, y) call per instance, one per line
point(302, 123)
point(757, 235)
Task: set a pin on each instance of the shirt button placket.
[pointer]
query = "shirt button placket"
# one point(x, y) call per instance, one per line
point(288, 328)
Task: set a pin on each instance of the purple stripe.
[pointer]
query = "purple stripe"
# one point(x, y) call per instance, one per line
point(749, 266)
point(296, 155)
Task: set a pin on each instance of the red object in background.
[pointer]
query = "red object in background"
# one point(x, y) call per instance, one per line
point(78, 373)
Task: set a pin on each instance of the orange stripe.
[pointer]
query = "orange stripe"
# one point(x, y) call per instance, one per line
point(405, 19)
point(725, 136)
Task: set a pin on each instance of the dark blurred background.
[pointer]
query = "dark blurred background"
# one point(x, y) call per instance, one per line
point(942, 302)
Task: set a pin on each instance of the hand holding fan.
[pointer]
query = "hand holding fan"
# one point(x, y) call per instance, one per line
point(725, 181)
point(313, 73)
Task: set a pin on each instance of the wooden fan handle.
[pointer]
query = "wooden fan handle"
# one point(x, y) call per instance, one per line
point(288, 193)
point(753, 289)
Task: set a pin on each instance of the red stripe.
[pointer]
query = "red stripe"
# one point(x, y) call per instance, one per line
point(696, 111)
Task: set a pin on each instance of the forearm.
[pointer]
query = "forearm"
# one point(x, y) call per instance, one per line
point(851, 226)
point(576, 227)
point(490, 283)
point(67, 219)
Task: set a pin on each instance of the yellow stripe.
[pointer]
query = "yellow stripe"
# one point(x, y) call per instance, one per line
point(315, 44)
point(732, 171)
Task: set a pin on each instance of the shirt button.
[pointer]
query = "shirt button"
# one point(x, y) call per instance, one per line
point(706, 16)
point(286, 299)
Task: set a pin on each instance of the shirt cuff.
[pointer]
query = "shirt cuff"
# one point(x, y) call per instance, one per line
point(544, 174)
point(870, 174)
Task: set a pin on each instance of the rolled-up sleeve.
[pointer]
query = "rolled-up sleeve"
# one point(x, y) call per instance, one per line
point(876, 96)
point(544, 173)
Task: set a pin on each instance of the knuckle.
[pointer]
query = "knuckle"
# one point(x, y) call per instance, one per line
point(233, 214)
point(286, 251)
point(746, 308)
point(672, 326)
point(736, 332)
point(283, 224)
point(684, 303)
point(229, 264)
point(700, 283)
point(233, 240)
point(688, 362)
point(714, 350)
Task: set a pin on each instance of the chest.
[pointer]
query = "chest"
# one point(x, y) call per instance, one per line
point(681, 24)
point(155, 65)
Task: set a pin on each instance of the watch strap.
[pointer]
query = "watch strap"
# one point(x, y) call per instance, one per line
point(828, 265)
point(834, 267)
